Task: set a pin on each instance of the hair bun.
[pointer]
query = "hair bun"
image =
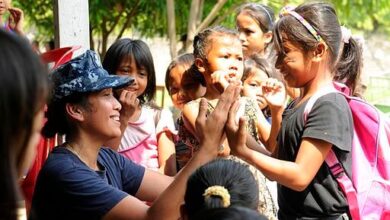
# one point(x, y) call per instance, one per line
point(219, 191)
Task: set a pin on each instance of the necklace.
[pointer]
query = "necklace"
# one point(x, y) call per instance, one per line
point(77, 154)
point(70, 148)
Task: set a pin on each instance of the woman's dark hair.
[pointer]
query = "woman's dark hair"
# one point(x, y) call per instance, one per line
point(262, 14)
point(204, 38)
point(23, 92)
point(233, 176)
point(137, 49)
point(58, 121)
point(345, 59)
point(229, 213)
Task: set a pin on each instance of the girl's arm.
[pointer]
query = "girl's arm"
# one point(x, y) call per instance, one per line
point(295, 175)
point(167, 205)
point(275, 95)
point(166, 154)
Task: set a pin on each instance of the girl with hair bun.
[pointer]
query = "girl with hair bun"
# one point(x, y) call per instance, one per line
point(220, 184)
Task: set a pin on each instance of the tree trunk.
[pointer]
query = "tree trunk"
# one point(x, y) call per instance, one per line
point(194, 10)
point(194, 14)
point(207, 21)
point(171, 28)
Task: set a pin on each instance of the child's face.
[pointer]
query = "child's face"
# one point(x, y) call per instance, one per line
point(128, 67)
point(252, 87)
point(294, 65)
point(224, 54)
point(4, 5)
point(179, 97)
point(183, 88)
point(251, 36)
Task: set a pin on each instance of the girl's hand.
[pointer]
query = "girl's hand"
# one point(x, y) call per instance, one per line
point(219, 80)
point(274, 93)
point(129, 102)
point(16, 20)
point(236, 133)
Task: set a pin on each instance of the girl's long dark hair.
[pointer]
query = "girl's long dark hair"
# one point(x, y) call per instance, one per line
point(23, 92)
point(345, 58)
point(139, 50)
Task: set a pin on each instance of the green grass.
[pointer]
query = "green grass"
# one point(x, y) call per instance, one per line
point(378, 93)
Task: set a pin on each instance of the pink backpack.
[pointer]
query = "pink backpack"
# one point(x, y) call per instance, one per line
point(368, 192)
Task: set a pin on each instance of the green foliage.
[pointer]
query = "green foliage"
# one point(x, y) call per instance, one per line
point(39, 14)
point(150, 17)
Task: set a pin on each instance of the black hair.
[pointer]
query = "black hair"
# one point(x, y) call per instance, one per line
point(229, 213)
point(345, 59)
point(23, 92)
point(204, 38)
point(187, 61)
point(137, 49)
point(234, 176)
point(256, 62)
point(262, 14)
point(58, 121)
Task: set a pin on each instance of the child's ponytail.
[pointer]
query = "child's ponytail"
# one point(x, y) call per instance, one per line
point(349, 66)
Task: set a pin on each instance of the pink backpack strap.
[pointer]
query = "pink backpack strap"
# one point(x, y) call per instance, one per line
point(345, 183)
point(331, 160)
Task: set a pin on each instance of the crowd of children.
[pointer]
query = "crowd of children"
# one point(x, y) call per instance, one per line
point(240, 97)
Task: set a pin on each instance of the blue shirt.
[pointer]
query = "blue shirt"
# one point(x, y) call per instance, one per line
point(68, 189)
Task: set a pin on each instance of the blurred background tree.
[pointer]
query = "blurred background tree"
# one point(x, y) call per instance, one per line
point(112, 18)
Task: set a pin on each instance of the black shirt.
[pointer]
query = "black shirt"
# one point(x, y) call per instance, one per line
point(330, 120)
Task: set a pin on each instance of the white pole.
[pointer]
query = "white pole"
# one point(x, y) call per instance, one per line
point(71, 18)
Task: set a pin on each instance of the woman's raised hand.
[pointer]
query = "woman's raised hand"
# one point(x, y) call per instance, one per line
point(210, 129)
point(236, 132)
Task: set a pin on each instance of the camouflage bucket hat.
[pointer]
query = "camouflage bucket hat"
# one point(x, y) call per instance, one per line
point(84, 74)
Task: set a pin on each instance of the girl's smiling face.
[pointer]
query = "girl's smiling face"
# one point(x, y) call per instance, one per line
point(184, 87)
point(128, 67)
point(178, 95)
point(294, 65)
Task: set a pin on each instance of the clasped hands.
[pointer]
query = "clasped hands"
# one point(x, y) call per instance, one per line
point(223, 119)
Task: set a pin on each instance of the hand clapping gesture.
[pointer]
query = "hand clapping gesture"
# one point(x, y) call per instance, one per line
point(236, 133)
point(210, 129)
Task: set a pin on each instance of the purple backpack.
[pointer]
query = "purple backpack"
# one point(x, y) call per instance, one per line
point(368, 192)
